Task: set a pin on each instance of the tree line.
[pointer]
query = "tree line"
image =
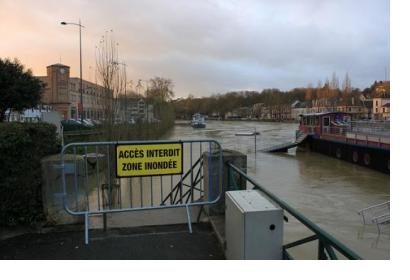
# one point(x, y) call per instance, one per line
point(331, 91)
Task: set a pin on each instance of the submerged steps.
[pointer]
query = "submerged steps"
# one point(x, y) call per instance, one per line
point(285, 146)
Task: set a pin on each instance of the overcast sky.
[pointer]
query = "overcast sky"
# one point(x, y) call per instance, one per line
point(208, 47)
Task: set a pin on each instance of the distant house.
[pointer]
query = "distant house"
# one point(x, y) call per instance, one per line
point(298, 108)
point(244, 112)
point(380, 111)
point(280, 112)
point(352, 105)
point(29, 115)
point(215, 116)
point(257, 110)
point(232, 115)
point(382, 88)
point(386, 111)
point(137, 109)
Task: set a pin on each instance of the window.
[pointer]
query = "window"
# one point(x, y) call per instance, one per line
point(326, 121)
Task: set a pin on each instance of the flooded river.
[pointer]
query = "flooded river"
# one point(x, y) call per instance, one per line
point(326, 190)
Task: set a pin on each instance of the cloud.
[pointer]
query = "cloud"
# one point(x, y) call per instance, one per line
point(209, 46)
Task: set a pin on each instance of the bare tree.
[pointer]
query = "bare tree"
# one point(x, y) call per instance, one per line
point(347, 85)
point(309, 92)
point(111, 78)
point(160, 89)
point(334, 84)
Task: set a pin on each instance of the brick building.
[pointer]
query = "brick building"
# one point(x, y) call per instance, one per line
point(63, 93)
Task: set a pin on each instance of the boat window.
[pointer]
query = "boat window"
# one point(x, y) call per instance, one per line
point(326, 121)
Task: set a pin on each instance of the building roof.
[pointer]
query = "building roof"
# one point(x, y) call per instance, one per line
point(324, 113)
point(59, 65)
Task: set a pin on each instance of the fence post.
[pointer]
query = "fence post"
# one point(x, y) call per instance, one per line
point(212, 177)
point(321, 251)
point(52, 189)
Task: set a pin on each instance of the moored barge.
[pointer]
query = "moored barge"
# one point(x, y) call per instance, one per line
point(366, 143)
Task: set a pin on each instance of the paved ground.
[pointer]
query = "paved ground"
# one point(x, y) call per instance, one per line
point(152, 243)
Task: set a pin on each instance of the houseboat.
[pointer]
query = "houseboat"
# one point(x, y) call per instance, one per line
point(336, 134)
point(198, 121)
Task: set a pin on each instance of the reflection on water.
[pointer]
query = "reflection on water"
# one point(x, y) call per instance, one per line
point(327, 190)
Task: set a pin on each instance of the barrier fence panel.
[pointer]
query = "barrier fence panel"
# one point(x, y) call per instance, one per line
point(120, 176)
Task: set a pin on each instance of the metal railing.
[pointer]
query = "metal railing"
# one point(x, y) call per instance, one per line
point(327, 244)
point(90, 186)
point(371, 128)
point(378, 214)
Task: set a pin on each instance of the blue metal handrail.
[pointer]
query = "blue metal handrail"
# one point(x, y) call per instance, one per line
point(326, 241)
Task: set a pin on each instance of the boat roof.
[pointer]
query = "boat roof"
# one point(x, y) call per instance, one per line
point(323, 113)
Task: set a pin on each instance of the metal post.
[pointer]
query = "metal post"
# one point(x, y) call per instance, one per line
point(229, 179)
point(255, 141)
point(188, 212)
point(81, 75)
point(125, 94)
point(86, 228)
point(321, 251)
point(81, 65)
point(105, 221)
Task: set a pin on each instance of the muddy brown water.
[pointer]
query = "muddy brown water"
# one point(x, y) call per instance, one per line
point(326, 190)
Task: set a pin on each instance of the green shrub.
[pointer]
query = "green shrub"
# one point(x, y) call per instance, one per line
point(22, 145)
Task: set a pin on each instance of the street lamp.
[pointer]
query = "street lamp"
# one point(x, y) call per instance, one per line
point(81, 67)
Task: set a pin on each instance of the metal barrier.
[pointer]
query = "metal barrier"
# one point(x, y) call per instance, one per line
point(370, 127)
point(326, 244)
point(378, 214)
point(91, 186)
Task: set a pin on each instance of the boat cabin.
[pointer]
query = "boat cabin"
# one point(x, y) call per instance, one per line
point(324, 123)
point(198, 121)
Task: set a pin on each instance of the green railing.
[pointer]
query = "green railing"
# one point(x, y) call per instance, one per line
point(327, 244)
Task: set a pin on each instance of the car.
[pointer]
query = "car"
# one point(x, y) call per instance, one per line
point(85, 122)
point(71, 124)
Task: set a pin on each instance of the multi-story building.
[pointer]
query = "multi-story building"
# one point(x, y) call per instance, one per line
point(386, 111)
point(280, 112)
point(298, 108)
point(381, 108)
point(382, 88)
point(63, 94)
point(138, 110)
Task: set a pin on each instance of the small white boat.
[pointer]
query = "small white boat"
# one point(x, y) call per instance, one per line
point(198, 121)
point(247, 133)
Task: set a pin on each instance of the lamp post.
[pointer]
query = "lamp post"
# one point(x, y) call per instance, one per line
point(81, 66)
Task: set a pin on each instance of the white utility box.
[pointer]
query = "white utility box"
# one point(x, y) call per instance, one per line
point(253, 226)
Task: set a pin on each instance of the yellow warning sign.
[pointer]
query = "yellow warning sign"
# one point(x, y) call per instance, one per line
point(134, 160)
